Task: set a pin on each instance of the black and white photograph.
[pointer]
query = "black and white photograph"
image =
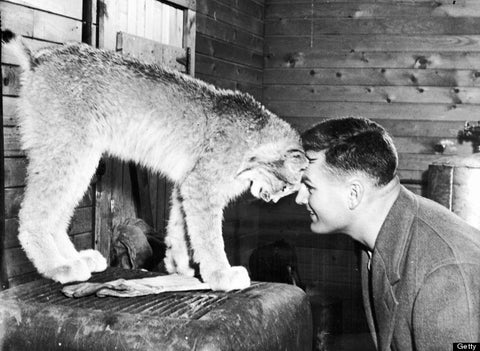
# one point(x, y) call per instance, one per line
point(240, 175)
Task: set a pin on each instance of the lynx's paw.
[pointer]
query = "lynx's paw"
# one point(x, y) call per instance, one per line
point(71, 271)
point(230, 278)
point(94, 260)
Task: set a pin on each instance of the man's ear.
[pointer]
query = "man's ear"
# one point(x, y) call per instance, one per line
point(356, 190)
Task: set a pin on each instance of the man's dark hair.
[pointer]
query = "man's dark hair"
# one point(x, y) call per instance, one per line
point(353, 144)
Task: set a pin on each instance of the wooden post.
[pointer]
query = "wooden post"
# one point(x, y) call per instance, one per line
point(87, 22)
point(189, 31)
point(3, 268)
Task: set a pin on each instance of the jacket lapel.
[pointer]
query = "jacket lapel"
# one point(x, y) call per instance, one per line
point(367, 298)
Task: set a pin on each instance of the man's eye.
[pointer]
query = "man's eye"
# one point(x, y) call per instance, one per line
point(309, 188)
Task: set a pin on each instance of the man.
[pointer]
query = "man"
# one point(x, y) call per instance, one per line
point(421, 286)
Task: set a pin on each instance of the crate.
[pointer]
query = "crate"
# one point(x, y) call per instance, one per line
point(266, 316)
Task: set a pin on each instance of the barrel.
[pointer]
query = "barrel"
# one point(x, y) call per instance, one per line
point(454, 182)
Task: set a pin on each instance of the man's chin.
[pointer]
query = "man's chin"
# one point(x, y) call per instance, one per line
point(318, 228)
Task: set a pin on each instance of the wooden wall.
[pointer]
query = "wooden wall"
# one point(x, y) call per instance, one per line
point(413, 66)
point(50, 23)
point(229, 46)
point(229, 54)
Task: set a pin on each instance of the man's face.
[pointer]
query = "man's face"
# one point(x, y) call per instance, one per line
point(325, 196)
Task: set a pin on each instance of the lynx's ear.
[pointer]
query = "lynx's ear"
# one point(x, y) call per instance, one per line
point(248, 167)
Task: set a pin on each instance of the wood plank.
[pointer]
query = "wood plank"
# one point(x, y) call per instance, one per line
point(433, 112)
point(374, 93)
point(15, 171)
point(11, 80)
point(373, 77)
point(248, 7)
point(190, 39)
point(377, 42)
point(409, 176)
point(426, 145)
point(150, 20)
point(228, 51)
point(10, 117)
point(399, 128)
point(431, 2)
point(104, 209)
point(417, 128)
point(83, 241)
point(68, 8)
point(11, 233)
point(17, 262)
point(150, 51)
point(13, 199)
point(416, 162)
point(81, 222)
point(368, 9)
point(189, 4)
point(211, 66)
point(24, 278)
point(18, 19)
point(233, 17)
point(11, 140)
point(392, 25)
point(283, 56)
point(176, 28)
point(40, 25)
point(224, 31)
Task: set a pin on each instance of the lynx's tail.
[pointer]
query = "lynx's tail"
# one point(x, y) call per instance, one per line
point(15, 44)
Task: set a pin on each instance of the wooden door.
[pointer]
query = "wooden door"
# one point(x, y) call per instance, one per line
point(155, 32)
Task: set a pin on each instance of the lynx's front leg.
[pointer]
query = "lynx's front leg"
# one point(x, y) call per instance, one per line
point(203, 214)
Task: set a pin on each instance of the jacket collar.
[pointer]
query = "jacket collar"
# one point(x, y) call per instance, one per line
point(395, 234)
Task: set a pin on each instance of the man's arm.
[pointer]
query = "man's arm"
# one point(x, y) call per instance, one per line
point(447, 307)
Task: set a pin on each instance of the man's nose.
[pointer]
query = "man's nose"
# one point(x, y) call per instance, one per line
point(302, 197)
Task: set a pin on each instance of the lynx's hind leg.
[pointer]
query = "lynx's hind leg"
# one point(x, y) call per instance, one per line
point(177, 259)
point(57, 179)
point(203, 204)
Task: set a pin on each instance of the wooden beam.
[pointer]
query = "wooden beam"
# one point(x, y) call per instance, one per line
point(87, 21)
point(3, 268)
point(184, 4)
point(189, 34)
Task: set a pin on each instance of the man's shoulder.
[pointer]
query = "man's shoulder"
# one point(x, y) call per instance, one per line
point(442, 235)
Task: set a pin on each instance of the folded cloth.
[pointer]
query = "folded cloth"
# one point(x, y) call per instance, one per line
point(136, 287)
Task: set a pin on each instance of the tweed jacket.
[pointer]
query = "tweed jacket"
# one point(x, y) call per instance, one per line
point(421, 290)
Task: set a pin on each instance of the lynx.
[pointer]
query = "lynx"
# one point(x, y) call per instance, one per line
point(77, 103)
